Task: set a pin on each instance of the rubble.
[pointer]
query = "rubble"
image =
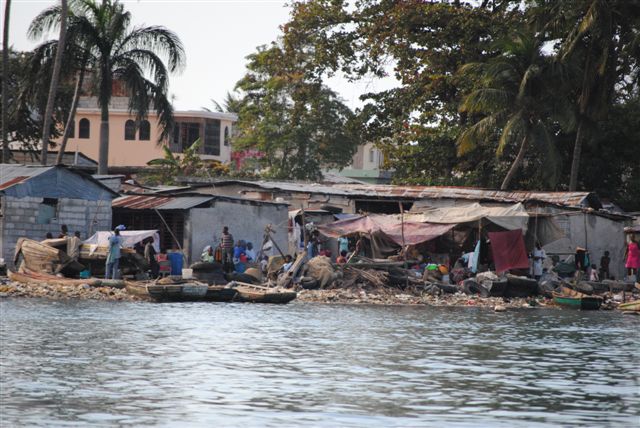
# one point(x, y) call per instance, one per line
point(63, 292)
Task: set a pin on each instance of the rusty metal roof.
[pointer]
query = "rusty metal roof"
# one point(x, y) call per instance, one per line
point(470, 193)
point(387, 191)
point(148, 202)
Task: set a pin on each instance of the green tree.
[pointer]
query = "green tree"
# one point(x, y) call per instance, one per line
point(300, 125)
point(511, 102)
point(119, 52)
point(53, 85)
point(421, 44)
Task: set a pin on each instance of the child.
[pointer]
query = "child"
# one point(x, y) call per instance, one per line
point(593, 275)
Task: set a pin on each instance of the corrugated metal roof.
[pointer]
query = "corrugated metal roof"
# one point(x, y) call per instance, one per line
point(12, 174)
point(419, 192)
point(50, 181)
point(145, 202)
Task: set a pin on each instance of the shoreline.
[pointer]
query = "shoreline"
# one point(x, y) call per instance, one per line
point(381, 296)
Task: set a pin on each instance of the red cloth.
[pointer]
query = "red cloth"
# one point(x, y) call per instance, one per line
point(508, 250)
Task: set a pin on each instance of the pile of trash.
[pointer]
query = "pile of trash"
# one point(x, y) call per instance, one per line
point(388, 282)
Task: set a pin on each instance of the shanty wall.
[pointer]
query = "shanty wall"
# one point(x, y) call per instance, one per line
point(595, 233)
point(20, 220)
point(245, 221)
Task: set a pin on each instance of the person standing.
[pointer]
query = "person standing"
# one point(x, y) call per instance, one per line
point(632, 257)
point(538, 258)
point(113, 255)
point(73, 246)
point(343, 244)
point(150, 256)
point(226, 243)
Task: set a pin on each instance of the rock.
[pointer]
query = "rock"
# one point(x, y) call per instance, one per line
point(499, 308)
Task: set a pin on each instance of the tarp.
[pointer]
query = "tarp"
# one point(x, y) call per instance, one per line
point(390, 226)
point(511, 217)
point(508, 250)
point(129, 238)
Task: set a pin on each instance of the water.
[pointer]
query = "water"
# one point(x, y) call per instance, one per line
point(202, 364)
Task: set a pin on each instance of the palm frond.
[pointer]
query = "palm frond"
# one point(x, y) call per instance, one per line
point(157, 39)
point(514, 129)
point(476, 134)
point(486, 100)
point(46, 21)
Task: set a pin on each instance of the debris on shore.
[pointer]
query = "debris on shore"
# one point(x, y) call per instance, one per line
point(64, 292)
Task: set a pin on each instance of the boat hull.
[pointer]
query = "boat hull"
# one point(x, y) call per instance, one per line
point(630, 306)
point(520, 286)
point(583, 303)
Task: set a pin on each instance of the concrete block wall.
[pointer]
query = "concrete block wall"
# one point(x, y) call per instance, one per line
point(20, 220)
point(245, 222)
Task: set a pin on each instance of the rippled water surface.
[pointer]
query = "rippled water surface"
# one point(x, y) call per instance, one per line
point(202, 364)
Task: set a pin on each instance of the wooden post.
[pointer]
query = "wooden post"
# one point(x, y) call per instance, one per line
point(402, 252)
point(304, 229)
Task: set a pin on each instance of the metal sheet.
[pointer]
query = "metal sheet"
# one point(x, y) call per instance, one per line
point(145, 202)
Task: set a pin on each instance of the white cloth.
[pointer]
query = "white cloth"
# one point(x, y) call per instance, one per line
point(538, 260)
point(129, 238)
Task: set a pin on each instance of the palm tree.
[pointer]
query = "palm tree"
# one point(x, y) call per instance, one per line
point(5, 83)
point(509, 101)
point(53, 85)
point(117, 52)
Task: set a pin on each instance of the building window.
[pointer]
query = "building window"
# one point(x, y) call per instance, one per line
point(47, 210)
point(212, 137)
point(145, 130)
point(189, 133)
point(85, 128)
point(129, 130)
point(372, 154)
point(226, 135)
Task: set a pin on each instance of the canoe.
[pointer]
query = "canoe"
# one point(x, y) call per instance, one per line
point(181, 292)
point(630, 306)
point(220, 293)
point(30, 278)
point(574, 299)
point(498, 287)
point(136, 288)
point(260, 294)
point(520, 286)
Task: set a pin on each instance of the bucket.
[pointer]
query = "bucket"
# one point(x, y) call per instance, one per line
point(187, 273)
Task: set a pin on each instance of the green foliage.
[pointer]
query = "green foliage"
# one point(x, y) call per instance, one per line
point(300, 125)
point(140, 57)
point(28, 85)
point(580, 59)
point(188, 163)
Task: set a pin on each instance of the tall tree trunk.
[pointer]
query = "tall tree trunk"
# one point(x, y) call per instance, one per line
point(72, 115)
point(103, 154)
point(577, 153)
point(53, 87)
point(6, 154)
point(516, 164)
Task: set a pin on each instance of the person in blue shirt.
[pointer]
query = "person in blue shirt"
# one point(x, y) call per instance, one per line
point(113, 255)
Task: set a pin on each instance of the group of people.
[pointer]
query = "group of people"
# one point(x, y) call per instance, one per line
point(233, 255)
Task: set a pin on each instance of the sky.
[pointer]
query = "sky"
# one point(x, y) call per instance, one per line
point(217, 36)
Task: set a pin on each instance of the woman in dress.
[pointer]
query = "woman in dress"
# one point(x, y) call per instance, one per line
point(632, 257)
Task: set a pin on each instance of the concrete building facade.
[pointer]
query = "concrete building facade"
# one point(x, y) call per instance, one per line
point(135, 144)
point(36, 200)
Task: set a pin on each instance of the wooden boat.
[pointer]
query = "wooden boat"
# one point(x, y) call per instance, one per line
point(498, 287)
point(137, 288)
point(31, 278)
point(520, 286)
point(189, 291)
point(260, 294)
point(576, 300)
point(39, 257)
point(630, 306)
point(220, 293)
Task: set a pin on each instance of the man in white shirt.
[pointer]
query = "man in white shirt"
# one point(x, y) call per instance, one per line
point(538, 256)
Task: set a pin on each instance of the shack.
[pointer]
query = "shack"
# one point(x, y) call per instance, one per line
point(35, 200)
point(189, 222)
